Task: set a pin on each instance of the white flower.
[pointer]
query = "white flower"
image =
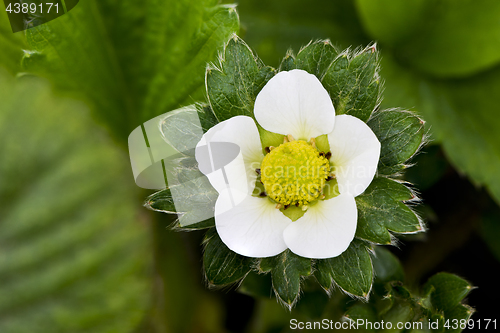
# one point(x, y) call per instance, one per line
point(296, 176)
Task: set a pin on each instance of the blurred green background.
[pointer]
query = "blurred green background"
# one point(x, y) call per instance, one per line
point(79, 253)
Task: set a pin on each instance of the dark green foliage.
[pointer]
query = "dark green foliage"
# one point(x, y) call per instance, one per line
point(401, 134)
point(353, 83)
point(223, 266)
point(352, 271)
point(381, 209)
point(286, 270)
point(233, 85)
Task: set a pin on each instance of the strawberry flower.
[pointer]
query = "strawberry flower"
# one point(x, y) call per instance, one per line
point(299, 194)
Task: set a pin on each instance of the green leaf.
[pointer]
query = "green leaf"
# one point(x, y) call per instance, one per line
point(400, 134)
point(286, 271)
point(380, 210)
point(233, 86)
point(223, 266)
point(132, 61)
point(73, 256)
point(461, 313)
point(458, 42)
point(316, 57)
point(449, 290)
point(386, 266)
point(352, 271)
point(353, 83)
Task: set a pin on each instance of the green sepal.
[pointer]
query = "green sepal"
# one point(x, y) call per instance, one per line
point(221, 265)
point(386, 266)
point(197, 191)
point(362, 311)
point(352, 271)
point(257, 285)
point(352, 80)
point(286, 270)
point(233, 85)
point(316, 57)
point(448, 290)
point(183, 128)
point(380, 210)
point(288, 62)
point(400, 134)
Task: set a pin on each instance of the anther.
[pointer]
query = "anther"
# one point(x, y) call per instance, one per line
point(322, 197)
point(286, 206)
point(279, 206)
point(290, 138)
point(304, 208)
point(271, 148)
point(263, 194)
point(321, 154)
point(257, 171)
point(313, 142)
point(267, 150)
point(328, 155)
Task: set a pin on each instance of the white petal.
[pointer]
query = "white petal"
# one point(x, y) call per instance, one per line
point(325, 230)
point(296, 103)
point(253, 228)
point(229, 153)
point(355, 154)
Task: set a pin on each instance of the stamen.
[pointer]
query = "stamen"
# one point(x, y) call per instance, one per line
point(313, 142)
point(290, 138)
point(304, 208)
point(257, 171)
point(286, 206)
point(267, 150)
point(328, 155)
point(295, 173)
point(263, 194)
point(279, 206)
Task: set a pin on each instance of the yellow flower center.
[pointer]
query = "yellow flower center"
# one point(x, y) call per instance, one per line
point(294, 173)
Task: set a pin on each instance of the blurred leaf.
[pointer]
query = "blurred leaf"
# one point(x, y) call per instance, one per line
point(431, 167)
point(223, 266)
point(11, 44)
point(380, 210)
point(73, 254)
point(463, 118)
point(273, 27)
point(257, 285)
point(132, 74)
point(353, 83)
point(362, 311)
point(400, 134)
point(447, 38)
point(352, 271)
point(386, 266)
point(233, 86)
point(490, 231)
point(286, 271)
